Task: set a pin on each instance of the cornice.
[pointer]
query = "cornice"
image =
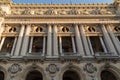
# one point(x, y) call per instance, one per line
point(60, 5)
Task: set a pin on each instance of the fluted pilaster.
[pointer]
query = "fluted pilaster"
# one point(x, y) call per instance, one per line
point(19, 42)
point(49, 41)
point(25, 40)
point(84, 40)
point(108, 42)
point(55, 43)
point(115, 42)
point(78, 41)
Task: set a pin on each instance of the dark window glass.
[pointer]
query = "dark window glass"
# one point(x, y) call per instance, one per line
point(37, 46)
point(34, 75)
point(106, 75)
point(67, 44)
point(70, 75)
point(8, 44)
point(96, 44)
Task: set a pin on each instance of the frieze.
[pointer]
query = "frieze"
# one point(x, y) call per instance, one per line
point(29, 11)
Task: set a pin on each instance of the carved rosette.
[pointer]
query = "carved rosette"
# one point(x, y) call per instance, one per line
point(14, 68)
point(90, 68)
point(52, 68)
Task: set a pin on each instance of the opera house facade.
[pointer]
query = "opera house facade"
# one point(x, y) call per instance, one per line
point(59, 41)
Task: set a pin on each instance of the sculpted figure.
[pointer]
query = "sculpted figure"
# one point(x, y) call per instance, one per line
point(2, 13)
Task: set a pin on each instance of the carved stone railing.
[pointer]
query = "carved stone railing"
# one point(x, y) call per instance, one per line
point(109, 55)
point(4, 55)
point(70, 55)
point(40, 56)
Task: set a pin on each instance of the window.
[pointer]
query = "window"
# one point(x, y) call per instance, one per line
point(37, 44)
point(7, 44)
point(67, 44)
point(96, 44)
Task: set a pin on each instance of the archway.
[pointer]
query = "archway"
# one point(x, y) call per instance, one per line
point(34, 75)
point(1, 75)
point(107, 75)
point(70, 75)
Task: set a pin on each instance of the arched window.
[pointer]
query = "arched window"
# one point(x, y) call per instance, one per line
point(91, 29)
point(117, 29)
point(1, 75)
point(65, 29)
point(12, 29)
point(107, 75)
point(70, 75)
point(39, 29)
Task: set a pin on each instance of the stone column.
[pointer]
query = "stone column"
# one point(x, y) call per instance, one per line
point(44, 44)
point(73, 44)
point(49, 41)
point(91, 48)
point(1, 26)
point(13, 48)
point(78, 41)
point(55, 41)
point(115, 42)
point(84, 39)
point(26, 40)
point(19, 42)
point(31, 43)
point(60, 45)
point(1, 44)
point(108, 42)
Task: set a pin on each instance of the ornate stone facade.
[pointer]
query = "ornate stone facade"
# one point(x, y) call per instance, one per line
point(59, 41)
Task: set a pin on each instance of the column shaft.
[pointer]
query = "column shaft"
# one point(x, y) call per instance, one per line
point(108, 42)
point(1, 28)
point(60, 44)
point(25, 41)
point(117, 46)
point(31, 42)
point(19, 42)
point(49, 41)
point(73, 44)
point(85, 43)
point(14, 45)
point(55, 43)
point(78, 41)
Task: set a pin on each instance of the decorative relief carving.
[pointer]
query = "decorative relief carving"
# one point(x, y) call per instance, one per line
point(92, 28)
point(90, 68)
point(38, 28)
point(14, 68)
point(52, 68)
point(65, 28)
point(16, 12)
point(116, 29)
point(11, 29)
point(63, 12)
point(39, 12)
point(73, 12)
point(85, 12)
point(2, 13)
point(97, 11)
point(50, 12)
point(28, 11)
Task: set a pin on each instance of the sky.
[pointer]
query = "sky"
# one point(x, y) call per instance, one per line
point(62, 1)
